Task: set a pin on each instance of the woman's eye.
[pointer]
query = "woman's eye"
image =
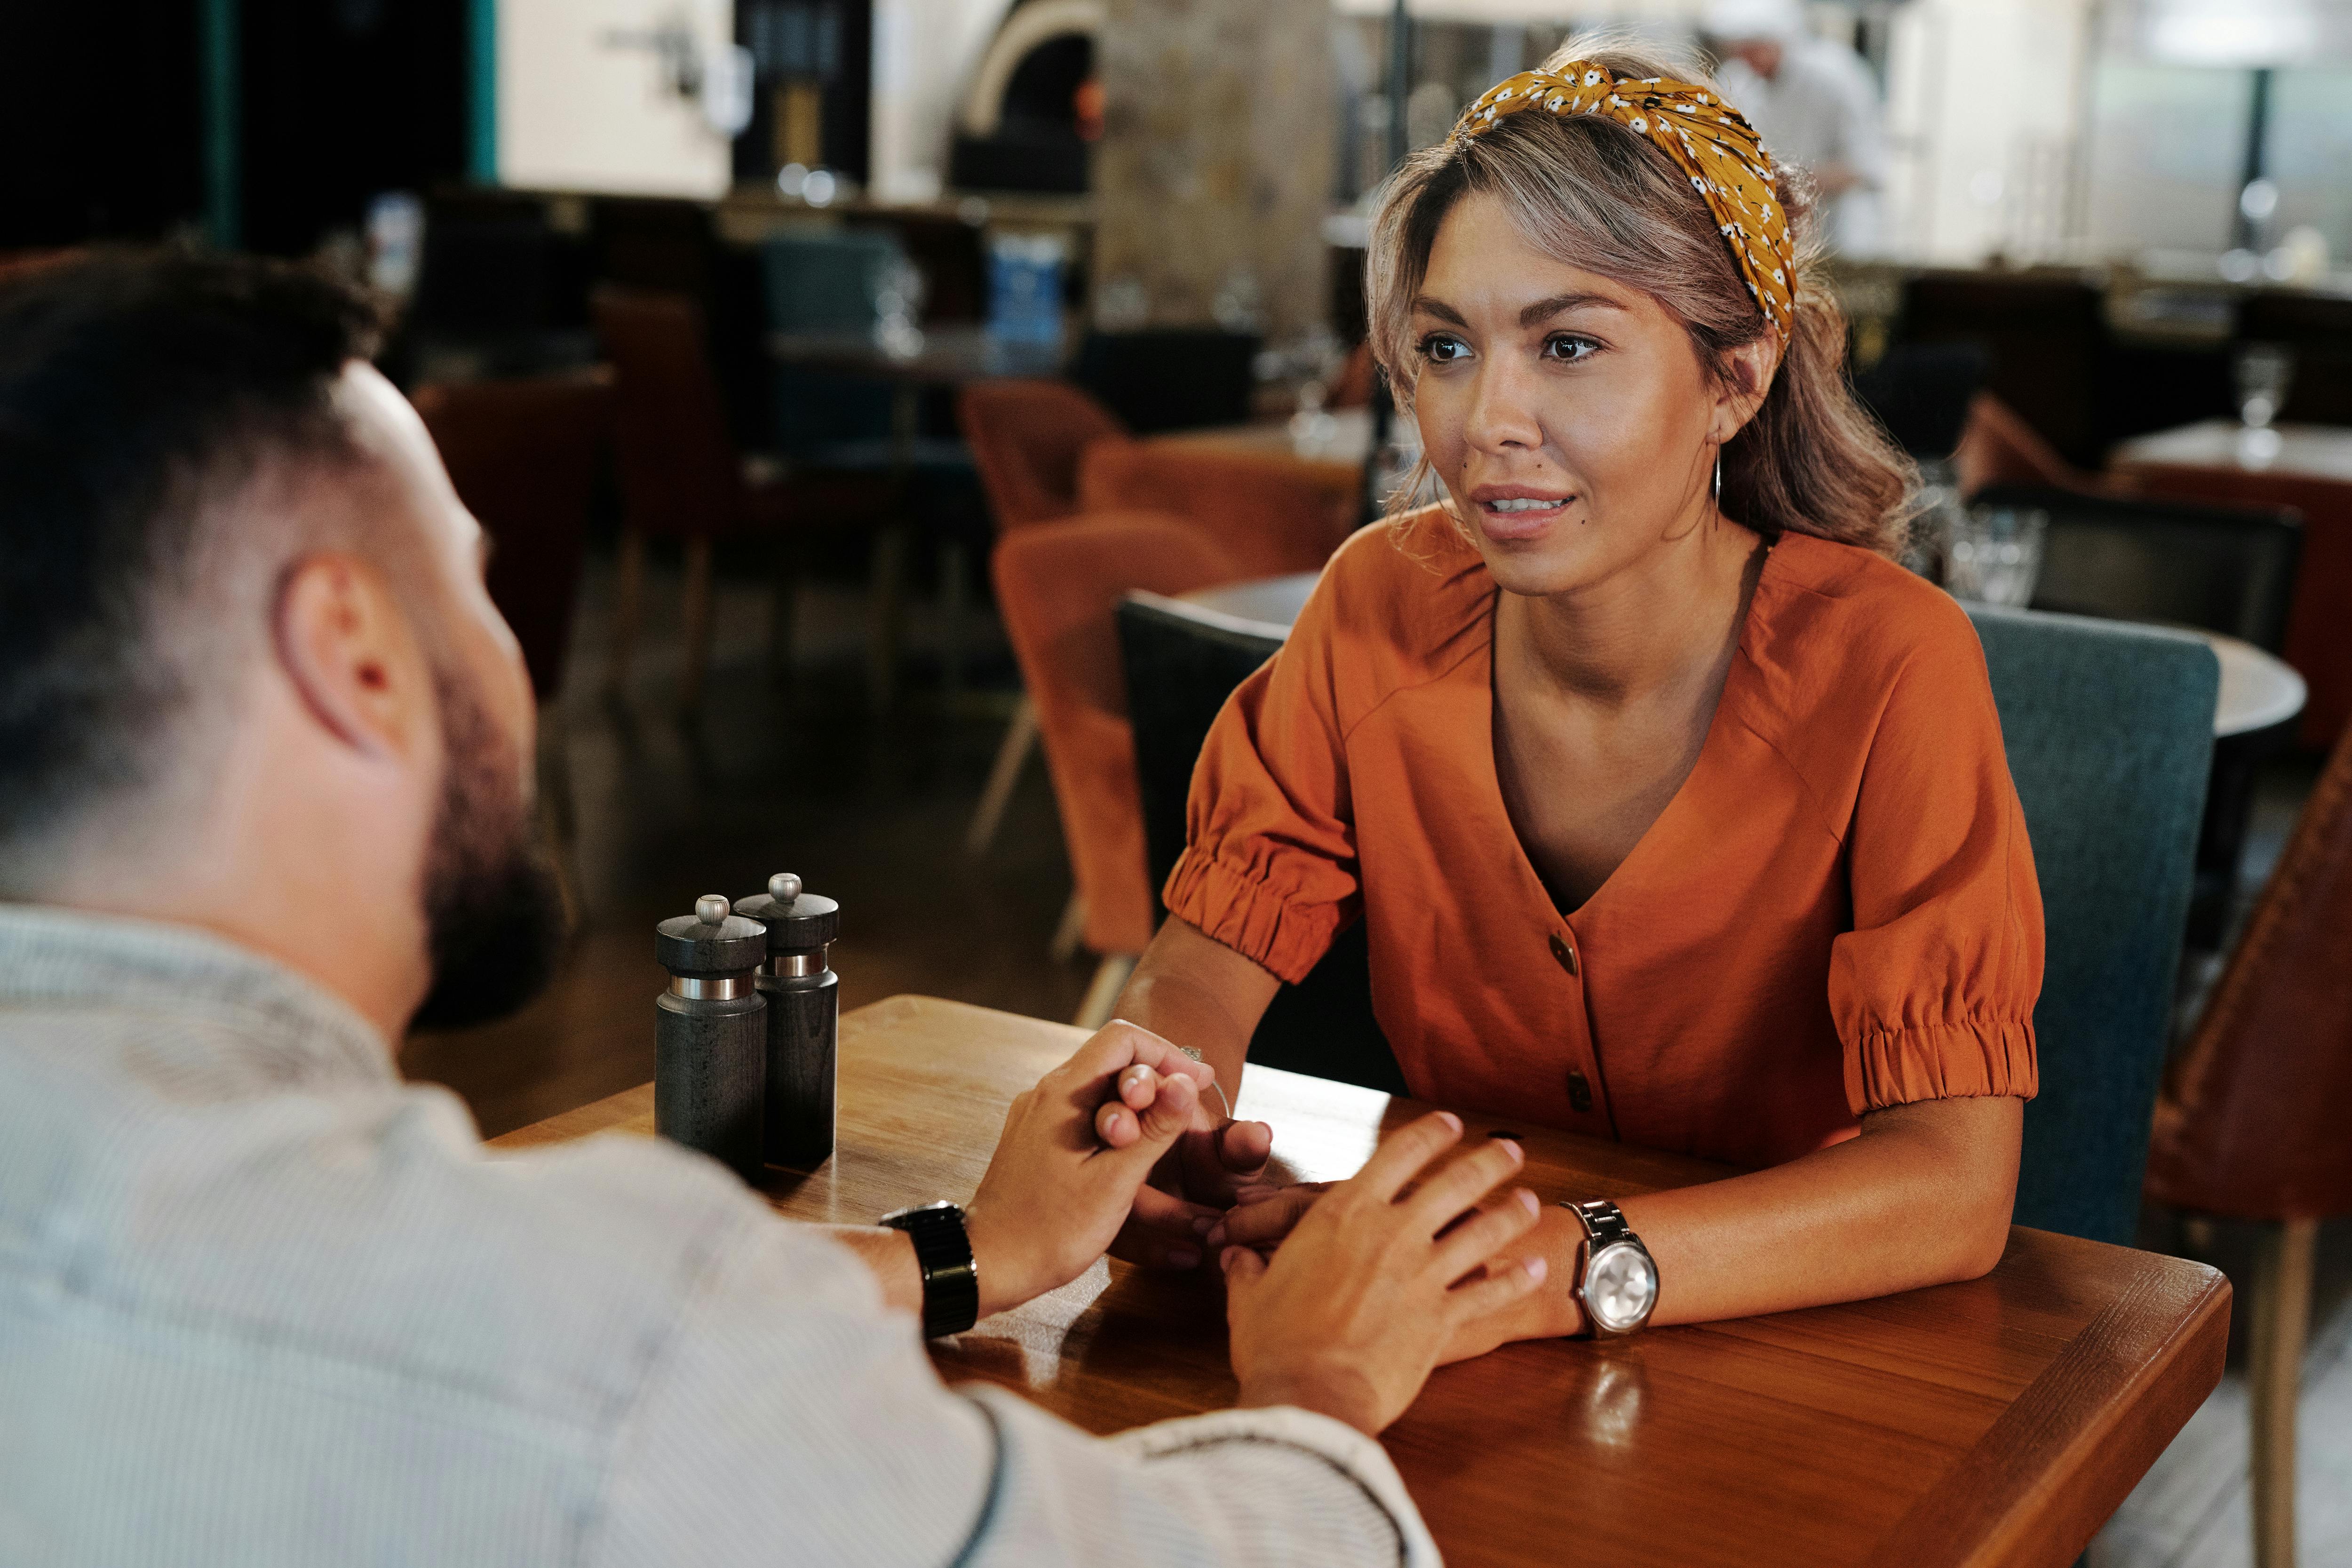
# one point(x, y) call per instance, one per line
point(1569, 349)
point(1443, 348)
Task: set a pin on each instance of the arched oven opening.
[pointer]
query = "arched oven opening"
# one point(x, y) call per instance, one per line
point(1034, 106)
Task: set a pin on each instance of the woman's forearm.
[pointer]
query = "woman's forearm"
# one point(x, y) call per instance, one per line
point(1195, 991)
point(1921, 1198)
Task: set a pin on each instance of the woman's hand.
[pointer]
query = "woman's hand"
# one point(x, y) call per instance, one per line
point(1261, 1216)
point(1210, 1163)
point(1375, 1282)
point(1073, 1155)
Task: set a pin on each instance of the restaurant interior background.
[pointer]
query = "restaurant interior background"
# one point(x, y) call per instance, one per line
point(725, 314)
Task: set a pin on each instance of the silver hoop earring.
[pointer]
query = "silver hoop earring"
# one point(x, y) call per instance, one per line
point(1718, 477)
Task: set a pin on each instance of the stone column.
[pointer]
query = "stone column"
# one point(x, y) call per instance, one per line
point(1214, 173)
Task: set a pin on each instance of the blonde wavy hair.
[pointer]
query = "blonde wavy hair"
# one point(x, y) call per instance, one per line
point(1594, 194)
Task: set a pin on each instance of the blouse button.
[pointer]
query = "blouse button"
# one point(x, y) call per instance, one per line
point(1565, 954)
point(1579, 1092)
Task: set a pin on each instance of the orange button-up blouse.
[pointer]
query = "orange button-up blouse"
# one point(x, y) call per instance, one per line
point(1836, 912)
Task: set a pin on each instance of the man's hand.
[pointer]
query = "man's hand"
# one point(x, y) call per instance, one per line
point(1073, 1153)
point(1378, 1277)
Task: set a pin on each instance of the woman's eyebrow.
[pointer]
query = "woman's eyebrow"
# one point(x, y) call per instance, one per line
point(1543, 310)
point(1423, 305)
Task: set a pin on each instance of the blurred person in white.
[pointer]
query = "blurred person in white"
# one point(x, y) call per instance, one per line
point(1814, 104)
point(264, 802)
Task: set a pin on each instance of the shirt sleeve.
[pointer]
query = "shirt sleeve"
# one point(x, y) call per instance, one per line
point(1933, 990)
point(792, 1419)
point(1269, 865)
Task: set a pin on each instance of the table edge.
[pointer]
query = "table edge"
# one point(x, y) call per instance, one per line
point(2038, 1455)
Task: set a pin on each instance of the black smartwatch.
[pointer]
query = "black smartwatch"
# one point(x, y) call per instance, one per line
point(951, 1276)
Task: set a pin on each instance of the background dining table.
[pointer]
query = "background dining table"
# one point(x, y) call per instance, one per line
point(2258, 689)
point(1997, 1421)
point(2306, 467)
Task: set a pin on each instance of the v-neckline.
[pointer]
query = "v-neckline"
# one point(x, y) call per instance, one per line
point(1531, 880)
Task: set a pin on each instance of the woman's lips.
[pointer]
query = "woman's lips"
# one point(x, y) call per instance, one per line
point(1519, 521)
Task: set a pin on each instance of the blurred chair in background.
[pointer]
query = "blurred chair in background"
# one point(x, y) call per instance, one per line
point(1997, 447)
point(525, 457)
point(2044, 337)
point(1921, 393)
point(682, 478)
point(1026, 438)
point(836, 287)
point(1181, 664)
point(1170, 378)
point(2224, 569)
point(1058, 586)
point(2251, 1125)
point(1270, 513)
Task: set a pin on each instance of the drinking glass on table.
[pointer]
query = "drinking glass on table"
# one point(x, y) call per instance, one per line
point(2265, 372)
point(1994, 554)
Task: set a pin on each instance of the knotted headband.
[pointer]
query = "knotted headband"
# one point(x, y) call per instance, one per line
point(1708, 139)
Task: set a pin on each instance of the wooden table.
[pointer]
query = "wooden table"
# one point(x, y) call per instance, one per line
point(1995, 1422)
point(2310, 469)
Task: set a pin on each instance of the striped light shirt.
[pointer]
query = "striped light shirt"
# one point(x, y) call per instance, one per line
point(262, 1304)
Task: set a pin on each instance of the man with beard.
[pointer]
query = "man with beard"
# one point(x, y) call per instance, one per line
point(264, 800)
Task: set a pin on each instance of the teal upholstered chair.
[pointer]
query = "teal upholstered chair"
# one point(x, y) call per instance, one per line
point(2109, 728)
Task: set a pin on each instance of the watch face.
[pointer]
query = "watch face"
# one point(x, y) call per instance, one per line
point(1620, 1287)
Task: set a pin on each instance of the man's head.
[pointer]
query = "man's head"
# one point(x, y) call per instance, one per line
point(1759, 32)
point(249, 675)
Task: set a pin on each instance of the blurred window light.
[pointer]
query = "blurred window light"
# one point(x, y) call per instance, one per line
point(2227, 34)
point(2232, 32)
point(819, 189)
point(2259, 199)
point(2168, 157)
point(2309, 148)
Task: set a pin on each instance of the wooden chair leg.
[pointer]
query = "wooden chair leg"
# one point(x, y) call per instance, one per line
point(2279, 1306)
point(887, 589)
point(628, 605)
point(1064, 945)
point(1020, 740)
point(1102, 993)
point(696, 617)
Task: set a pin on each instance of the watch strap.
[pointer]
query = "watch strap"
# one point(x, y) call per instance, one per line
point(950, 1273)
point(1603, 1222)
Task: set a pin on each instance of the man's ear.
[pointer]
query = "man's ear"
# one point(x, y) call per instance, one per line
point(1741, 390)
point(348, 650)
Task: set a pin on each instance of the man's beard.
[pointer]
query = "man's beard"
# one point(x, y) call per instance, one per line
point(493, 911)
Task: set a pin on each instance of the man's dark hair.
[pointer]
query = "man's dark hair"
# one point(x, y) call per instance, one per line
point(138, 395)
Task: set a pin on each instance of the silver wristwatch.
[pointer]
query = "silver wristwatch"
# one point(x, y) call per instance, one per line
point(1616, 1278)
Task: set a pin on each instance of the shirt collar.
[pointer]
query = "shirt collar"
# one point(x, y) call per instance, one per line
point(51, 956)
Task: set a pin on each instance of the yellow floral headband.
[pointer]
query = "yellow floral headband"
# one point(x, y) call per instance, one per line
point(1708, 139)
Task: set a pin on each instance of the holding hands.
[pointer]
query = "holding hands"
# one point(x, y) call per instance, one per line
point(1375, 1276)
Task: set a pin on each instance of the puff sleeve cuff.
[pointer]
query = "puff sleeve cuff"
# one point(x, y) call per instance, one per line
point(1269, 866)
point(1933, 989)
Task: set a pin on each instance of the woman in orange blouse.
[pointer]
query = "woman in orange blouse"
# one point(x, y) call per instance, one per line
point(1675, 814)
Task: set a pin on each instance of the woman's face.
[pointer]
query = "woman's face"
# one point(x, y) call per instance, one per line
point(1567, 416)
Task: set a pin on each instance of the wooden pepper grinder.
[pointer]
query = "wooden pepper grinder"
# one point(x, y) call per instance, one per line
point(803, 1015)
point(710, 1035)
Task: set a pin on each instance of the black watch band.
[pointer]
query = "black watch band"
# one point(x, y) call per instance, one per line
point(951, 1276)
